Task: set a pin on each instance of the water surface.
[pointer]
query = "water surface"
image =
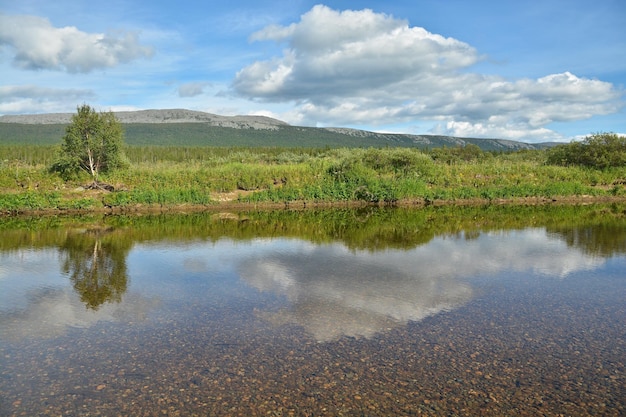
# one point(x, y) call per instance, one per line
point(438, 311)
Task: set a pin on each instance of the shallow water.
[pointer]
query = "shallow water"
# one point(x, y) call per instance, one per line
point(371, 312)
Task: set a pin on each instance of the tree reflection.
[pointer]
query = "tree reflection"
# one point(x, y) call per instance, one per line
point(600, 240)
point(96, 264)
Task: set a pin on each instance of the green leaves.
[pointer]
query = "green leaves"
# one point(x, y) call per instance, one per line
point(92, 143)
point(600, 150)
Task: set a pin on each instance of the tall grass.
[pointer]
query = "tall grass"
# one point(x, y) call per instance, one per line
point(164, 176)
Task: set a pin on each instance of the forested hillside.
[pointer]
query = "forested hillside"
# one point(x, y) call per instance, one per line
point(204, 134)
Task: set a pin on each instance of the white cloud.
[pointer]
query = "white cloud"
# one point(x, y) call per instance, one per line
point(39, 45)
point(362, 67)
point(191, 89)
point(490, 130)
point(29, 98)
point(343, 53)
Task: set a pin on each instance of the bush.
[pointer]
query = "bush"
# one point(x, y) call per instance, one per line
point(29, 200)
point(397, 160)
point(459, 154)
point(600, 150)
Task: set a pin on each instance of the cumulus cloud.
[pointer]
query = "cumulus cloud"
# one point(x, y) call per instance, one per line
point(347, 53)
point(362, 67)
point(191, 89)
point(29, 98)
point(39, 45)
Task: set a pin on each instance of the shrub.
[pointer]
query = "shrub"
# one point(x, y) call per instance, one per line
point(600, 150)
point(394, 160)
point(29, 200)
point(467, 153)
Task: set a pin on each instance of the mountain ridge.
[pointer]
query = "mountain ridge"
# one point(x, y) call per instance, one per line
point(196, 128)
point(157, 116)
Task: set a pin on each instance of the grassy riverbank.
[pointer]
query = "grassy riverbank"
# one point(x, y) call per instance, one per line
point(168, 177)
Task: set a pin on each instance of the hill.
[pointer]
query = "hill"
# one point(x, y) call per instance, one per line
point(156, 116)
point(179, 127)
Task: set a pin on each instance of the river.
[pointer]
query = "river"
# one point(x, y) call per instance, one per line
point(364, 312)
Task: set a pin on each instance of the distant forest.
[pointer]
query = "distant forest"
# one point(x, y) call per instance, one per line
point(202, 134)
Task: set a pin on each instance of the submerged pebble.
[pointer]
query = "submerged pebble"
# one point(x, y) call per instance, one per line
point(482, 359)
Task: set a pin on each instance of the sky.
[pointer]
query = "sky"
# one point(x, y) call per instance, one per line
point(533, 71)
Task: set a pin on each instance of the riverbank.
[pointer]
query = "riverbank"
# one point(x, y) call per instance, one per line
point(235, 205)
point(186, 179)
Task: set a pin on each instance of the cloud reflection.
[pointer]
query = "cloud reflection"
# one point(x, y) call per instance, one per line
point(336, 292)
point(51, 311)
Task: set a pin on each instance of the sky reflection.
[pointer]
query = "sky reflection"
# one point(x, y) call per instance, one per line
point(336, 292)
point(329, 290)
point(51, 311)
point(333, 292)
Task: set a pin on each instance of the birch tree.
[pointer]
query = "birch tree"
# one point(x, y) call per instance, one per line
point(92, 143)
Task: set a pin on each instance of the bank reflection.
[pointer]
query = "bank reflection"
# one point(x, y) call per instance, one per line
point(601, 239)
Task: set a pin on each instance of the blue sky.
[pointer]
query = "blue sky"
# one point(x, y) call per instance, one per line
point(533, 71)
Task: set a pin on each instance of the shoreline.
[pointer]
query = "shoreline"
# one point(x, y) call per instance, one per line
point(237, 206)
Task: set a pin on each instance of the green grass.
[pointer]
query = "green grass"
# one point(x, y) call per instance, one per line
point(164, 176)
